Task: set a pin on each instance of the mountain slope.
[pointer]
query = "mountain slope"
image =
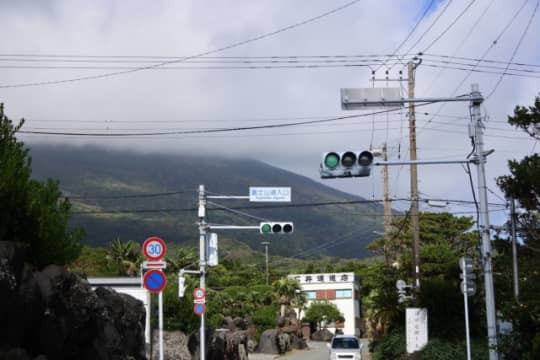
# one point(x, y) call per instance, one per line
point(105, 188)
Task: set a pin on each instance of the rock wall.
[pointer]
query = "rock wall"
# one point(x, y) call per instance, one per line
point(54, 314)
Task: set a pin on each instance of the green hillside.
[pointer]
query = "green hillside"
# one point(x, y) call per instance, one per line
point(110, 188)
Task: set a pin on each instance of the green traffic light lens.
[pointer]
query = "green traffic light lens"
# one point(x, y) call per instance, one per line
point(331, 160)
point(266, 228)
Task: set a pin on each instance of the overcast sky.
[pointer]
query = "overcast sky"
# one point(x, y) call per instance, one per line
point(207, 95)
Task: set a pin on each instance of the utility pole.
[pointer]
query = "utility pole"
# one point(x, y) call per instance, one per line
point(513, 218)
point(414, 182)
point(266, 243)
point(480, 159)
point(202, 264)
point(387, 207)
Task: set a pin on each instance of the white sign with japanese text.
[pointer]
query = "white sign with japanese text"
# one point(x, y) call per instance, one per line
point(416, 323)
point(270, 194)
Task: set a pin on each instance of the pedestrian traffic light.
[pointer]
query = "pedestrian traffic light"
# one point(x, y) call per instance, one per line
point(346, 164)
point(276, 227)
point(468, 277)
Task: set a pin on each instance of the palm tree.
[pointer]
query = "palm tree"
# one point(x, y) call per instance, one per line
point(182, 258)
point(125, 256)
point(287, 290)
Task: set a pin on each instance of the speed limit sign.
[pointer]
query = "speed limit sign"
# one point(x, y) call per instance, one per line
point(154, 248)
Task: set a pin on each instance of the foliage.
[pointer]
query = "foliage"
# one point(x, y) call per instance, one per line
point(125, 257)
point(288, 290)
point(390, 348)
point(32, 211)
point(522, 184)
point(393, 347)
point(93, 262)
point(323, 311)
point(178, 312)
point(527, 118)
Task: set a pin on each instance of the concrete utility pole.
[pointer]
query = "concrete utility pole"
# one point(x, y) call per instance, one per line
point(414, 181)
point(202, 263)
point(266, 243)
point(387, 206)
point(513, 218)
point(480, 159)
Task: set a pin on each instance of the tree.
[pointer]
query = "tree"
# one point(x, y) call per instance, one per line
point(32, 211)
point(125, 256)
point(522, 184)
point(323, 311)
point(287, 289)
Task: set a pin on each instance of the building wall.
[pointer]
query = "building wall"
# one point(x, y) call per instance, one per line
point(342, 289)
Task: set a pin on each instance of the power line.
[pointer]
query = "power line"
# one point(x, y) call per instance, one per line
point(525, 31)
point(449, 26)
point(426, 10)
point(218, 130)
point(220, 49)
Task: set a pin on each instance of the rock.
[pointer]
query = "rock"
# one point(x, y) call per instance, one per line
point(57, 315)
point(194, 344)
point(322, 335)
point(175, 344)
point(268, 343)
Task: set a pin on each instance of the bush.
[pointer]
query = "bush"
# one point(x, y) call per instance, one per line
point(391, 347)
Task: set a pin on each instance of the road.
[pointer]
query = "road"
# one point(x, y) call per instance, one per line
point(317, 351)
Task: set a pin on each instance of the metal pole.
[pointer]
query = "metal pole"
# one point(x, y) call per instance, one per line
point(266, 243)
point(514, 248)
point(202, 264)
point(466, 302)
point(414, 184)
point(387, 208)
point(160, 309)
point(484, 222)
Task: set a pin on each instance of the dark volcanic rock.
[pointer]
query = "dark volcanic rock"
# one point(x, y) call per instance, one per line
point(57, 315)
point(322, 335)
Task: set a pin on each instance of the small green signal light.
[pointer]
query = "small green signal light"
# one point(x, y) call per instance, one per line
point(266, 228)
point(331, 160)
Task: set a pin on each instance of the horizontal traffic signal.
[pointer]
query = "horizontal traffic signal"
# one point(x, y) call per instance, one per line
point(276, 227)
point(346, 164)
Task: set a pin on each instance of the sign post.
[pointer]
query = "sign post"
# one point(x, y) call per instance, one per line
point(154, 280)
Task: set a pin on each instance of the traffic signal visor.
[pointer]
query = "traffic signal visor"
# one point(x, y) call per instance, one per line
point(276, 227)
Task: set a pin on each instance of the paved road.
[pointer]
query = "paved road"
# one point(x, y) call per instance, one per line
point(317, 351)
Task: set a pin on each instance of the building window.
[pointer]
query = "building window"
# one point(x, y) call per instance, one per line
point(311, 295)
point(343, 294)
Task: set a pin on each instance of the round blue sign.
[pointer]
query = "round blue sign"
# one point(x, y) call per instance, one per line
point(199, 309)
point(154, 280)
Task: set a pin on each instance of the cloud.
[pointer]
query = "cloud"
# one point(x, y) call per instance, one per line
point(198, 98)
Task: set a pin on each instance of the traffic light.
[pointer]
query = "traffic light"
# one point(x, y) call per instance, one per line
point(468, 277)
point(346, 164)
point(276, 227)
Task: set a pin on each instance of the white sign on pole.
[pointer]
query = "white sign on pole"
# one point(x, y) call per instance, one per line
point(416, 323)
point(269, 194)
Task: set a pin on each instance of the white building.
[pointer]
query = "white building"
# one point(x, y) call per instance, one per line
point(342, 289)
